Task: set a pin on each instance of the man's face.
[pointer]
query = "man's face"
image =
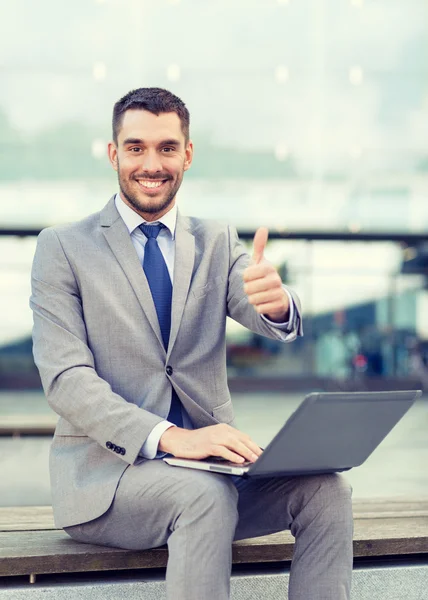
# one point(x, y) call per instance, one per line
point(150, 157)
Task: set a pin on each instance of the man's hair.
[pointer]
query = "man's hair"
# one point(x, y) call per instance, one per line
point(154, 100)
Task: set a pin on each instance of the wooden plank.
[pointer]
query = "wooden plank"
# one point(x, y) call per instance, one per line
point(26, 518)
point(55, 552)
point(25, 552)
point(16, 425)
point(35, 518)
point(372, 508)
point(378, 537)
point(364, 508)
point(42, 552)
point(405, 528)
point(30, 544)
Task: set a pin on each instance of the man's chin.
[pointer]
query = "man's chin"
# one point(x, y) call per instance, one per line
point(148, 204)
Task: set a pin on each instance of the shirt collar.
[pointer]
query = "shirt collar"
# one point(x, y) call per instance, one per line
point(133, 220)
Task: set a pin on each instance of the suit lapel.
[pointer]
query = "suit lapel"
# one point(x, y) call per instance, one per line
point(119, 240)
point(183, 269)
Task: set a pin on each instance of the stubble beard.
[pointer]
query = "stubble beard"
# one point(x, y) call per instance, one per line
point(148, 208)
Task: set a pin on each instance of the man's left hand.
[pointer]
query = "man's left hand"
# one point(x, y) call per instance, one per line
point(263, 285)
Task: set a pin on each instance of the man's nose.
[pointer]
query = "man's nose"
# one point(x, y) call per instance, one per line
point(151, 162)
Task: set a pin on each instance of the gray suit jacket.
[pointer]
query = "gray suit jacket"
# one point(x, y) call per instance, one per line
point(99, 350)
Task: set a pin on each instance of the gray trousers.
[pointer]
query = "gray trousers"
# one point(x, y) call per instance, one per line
point(198, 514)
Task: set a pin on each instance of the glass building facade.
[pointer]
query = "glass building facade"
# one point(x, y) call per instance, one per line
point(309, 117)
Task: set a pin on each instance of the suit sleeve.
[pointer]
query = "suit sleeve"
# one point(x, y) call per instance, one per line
point(66, 363)
point(238, 307)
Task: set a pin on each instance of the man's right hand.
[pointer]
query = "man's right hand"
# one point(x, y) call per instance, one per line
point(215, 440)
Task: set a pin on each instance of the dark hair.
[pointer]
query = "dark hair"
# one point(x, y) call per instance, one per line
point(156, 101)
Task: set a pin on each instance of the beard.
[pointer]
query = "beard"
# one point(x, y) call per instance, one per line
point(153, 205)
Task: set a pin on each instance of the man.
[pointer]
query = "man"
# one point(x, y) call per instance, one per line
point(130, 308)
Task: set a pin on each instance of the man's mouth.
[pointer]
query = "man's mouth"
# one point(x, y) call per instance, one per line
point(151, 184)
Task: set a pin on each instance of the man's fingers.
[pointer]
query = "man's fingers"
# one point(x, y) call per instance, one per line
point(259, 244)
point(255, 450)
point(244, 446)
point(251, 445)
point(238, 444)
point(255, 282)
point(245, 451)
point(227, 454)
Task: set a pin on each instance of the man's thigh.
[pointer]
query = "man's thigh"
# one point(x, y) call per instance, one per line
point(271, 504)
point(150, 498)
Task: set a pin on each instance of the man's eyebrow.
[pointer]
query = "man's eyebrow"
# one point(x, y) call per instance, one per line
point(132, 141)
point(169, 142)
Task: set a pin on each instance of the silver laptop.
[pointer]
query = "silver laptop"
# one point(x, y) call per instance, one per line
point(328, 432)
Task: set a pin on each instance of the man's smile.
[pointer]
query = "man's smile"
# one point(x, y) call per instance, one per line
point(150, 184)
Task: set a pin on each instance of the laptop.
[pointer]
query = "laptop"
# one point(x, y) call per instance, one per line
point(329, 432)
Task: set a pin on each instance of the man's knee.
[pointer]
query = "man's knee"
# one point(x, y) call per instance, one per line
point(211, 497)
point(327, 497)
point(334, 486)
point(333, 496)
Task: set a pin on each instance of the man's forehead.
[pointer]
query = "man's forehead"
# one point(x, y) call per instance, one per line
point(148, 126)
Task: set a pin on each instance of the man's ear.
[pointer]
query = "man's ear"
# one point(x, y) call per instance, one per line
point(189, 155)
point(112, 155)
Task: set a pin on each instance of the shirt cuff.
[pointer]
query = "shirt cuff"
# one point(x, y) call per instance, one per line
point(287, 325)
point(150, 447)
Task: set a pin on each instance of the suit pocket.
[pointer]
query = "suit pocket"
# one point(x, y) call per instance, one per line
point(202, 290)
point(224, 412)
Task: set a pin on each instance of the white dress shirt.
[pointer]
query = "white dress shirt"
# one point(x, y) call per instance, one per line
point(166, 242)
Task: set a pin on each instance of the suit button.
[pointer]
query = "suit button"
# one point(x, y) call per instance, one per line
point(117, 449)
point(123, 451)
point(169, 370)
point(109, 445)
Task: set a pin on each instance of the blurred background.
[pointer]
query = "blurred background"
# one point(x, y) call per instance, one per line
point(307, 116)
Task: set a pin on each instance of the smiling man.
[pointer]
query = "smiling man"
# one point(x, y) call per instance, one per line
point(130, 310)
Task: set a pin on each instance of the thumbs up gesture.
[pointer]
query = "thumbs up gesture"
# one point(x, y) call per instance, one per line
point(263, 285)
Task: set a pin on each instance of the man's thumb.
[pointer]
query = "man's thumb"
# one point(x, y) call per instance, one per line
point(259, 244)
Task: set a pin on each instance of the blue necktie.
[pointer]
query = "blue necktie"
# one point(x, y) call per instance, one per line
point(161, 288)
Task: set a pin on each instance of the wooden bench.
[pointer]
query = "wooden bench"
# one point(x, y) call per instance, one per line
point(17, 425)
point(30, 544)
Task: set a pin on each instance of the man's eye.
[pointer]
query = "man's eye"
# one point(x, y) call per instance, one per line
point(136, 149)
point(168, 149)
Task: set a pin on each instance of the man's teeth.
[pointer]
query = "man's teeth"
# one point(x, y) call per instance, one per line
point(150, 184)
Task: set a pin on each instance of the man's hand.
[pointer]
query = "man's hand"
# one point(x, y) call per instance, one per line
point(216, 440)
point(263, 285)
